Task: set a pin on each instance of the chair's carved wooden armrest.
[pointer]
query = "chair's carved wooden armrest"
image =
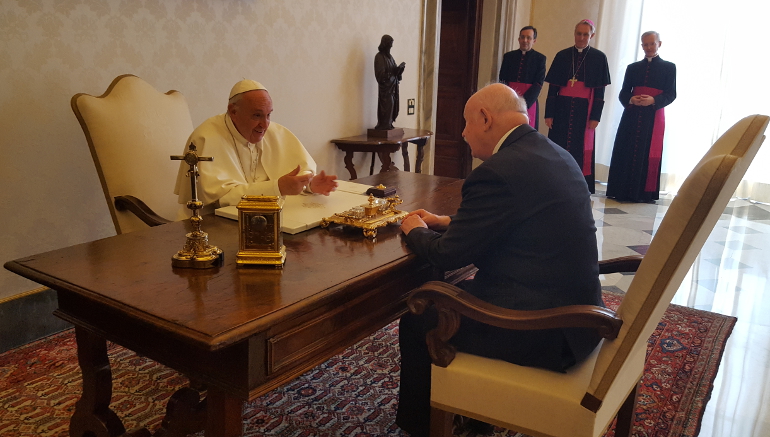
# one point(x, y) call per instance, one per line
point(621, 264)
point(451, 302)
point(140, 209)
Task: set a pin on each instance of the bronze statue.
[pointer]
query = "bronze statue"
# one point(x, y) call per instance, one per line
point(388, 76)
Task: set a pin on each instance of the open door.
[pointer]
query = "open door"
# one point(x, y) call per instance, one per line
point(457, 78)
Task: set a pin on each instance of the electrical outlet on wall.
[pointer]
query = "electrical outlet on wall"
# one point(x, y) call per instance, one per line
point(410, 107)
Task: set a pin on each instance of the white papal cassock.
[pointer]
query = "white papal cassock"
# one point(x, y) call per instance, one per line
point(239, 167)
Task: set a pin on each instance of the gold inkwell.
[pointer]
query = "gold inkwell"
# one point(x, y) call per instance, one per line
point(370, 216)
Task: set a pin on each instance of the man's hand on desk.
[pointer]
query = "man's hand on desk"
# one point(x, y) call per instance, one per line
point(323, 183)
point(424, 219)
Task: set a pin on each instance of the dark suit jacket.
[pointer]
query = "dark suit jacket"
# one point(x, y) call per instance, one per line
point(525, 221)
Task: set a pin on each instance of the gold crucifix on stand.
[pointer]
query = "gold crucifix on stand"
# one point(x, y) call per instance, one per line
point(197, 253)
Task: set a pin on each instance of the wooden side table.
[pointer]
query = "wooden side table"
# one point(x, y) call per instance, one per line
point(383, 147)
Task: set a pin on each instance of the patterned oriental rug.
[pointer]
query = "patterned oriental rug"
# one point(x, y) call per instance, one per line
point(353, 394)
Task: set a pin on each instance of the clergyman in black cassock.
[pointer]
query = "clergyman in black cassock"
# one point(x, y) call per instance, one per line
point(534, 249)
point(636, 156)
point(573, 109)
point(524, 71)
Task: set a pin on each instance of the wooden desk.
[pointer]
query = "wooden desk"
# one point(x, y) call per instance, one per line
point(384, 147)
point(239, 332)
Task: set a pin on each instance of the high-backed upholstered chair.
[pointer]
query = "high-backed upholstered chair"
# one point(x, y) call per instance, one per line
point(583, 401)
point(132, 130)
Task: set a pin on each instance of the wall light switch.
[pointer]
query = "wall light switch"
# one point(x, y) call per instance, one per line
point(410, 107)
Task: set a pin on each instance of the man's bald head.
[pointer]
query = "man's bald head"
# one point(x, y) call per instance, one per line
point(489, 114)
point(501, 99)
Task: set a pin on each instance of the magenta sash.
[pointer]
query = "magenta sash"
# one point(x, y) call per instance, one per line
point(656, 142)
point(580, 91)
point(520, 89)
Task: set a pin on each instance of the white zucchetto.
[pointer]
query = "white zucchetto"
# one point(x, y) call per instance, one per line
point(245, 85)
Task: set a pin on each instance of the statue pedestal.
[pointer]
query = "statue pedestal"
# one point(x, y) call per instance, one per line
point(396, 132)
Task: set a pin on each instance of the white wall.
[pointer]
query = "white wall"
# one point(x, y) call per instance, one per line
point(315, 57)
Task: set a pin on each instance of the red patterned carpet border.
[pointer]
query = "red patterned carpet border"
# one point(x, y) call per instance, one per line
point(353, 394)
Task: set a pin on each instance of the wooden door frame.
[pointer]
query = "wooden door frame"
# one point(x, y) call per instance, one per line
point(430, 36)
point(429, 60)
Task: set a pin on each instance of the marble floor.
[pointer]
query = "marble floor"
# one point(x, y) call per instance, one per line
point(730, 276)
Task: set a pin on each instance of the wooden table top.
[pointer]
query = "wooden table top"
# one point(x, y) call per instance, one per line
point(409, 135)
point(132, 273)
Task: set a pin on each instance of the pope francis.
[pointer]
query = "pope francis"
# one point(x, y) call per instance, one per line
point(252, 156)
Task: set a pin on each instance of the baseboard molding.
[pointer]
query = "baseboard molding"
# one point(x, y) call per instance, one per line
point(27, 317)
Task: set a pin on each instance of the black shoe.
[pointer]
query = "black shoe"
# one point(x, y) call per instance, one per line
point(459, 423)
point(479, 427)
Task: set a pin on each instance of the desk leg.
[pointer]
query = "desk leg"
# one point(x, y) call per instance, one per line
point(349, 165)
point(185, 414)
point(93, 416)
point(420, 154)
point(371, 167)
point(224, 417)
point(387, 163)
point(405, 154)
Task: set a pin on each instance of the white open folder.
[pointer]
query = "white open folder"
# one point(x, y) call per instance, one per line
point(305, 211)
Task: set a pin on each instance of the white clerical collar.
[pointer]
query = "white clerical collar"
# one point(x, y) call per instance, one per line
point(580, 50)
point(523, 52)
point(500, 143)
point(650, 58)
point(234, 131)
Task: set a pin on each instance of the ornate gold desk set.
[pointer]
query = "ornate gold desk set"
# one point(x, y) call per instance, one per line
point(369, 217)
point(259, 223)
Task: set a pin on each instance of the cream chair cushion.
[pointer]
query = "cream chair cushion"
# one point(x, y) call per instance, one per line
point(132, 130)
point(526, 398)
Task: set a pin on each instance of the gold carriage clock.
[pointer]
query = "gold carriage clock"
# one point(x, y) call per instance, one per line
point(261, 240)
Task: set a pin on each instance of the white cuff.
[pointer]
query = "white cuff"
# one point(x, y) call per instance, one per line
point(307, 187)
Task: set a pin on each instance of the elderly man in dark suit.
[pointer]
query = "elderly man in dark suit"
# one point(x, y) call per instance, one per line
point(525, 221)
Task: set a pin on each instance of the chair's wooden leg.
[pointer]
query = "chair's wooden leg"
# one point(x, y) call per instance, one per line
point(441, 423)
point(624, 425)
